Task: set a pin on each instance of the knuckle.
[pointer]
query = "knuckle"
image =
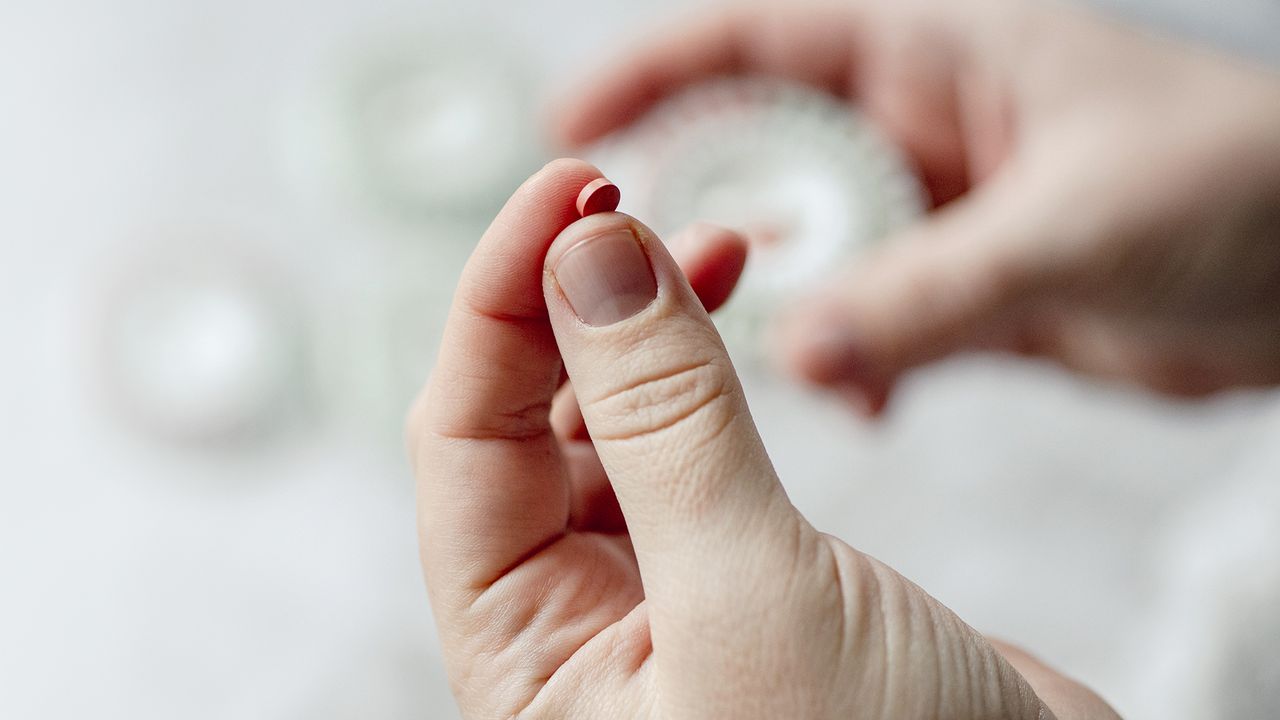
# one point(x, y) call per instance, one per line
point(700, 395)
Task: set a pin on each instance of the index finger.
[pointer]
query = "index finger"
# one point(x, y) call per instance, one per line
point(490, 484)
point(728, 41)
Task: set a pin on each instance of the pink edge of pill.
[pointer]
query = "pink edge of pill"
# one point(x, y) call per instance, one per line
point(598, 196)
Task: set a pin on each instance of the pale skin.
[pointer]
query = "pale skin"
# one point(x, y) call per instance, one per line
point(655, 569)
point(639, 557)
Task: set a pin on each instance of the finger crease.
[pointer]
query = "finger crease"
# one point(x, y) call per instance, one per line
point(527, 423)
point(677, 419)
point(669, 374)
point(483, 587)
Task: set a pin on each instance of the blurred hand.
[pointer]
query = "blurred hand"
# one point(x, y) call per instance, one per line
point(652, 567)
point(1107, 199)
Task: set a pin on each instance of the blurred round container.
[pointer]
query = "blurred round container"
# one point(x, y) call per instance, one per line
point(200, 349)
point(418, 124)
point(440, 124)
point(808, 178)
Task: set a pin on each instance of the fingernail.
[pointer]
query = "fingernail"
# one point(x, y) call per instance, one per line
point(606, 278)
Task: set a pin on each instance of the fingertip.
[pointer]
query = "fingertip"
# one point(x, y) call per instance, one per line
point(713, 259)
point(566, 170)
point(701, 237)
point(816, 344)
point(545, 202)
point(502, 276)
point(868, 401)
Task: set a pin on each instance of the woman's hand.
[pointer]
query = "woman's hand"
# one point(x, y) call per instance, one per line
point(708, 595)
point(1107, 199)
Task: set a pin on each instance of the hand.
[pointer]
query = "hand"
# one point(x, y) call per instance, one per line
point(1107, 199)
point(708, 595)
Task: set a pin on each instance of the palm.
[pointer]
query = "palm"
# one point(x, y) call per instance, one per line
point(588, 586)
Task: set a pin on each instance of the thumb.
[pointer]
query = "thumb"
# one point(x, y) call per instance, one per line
point(667, 415)
point(958, 281)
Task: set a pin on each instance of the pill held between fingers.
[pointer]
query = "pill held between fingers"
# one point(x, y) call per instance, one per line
point(598, 196)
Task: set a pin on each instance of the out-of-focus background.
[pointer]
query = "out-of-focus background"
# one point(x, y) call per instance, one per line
point(229, 233)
